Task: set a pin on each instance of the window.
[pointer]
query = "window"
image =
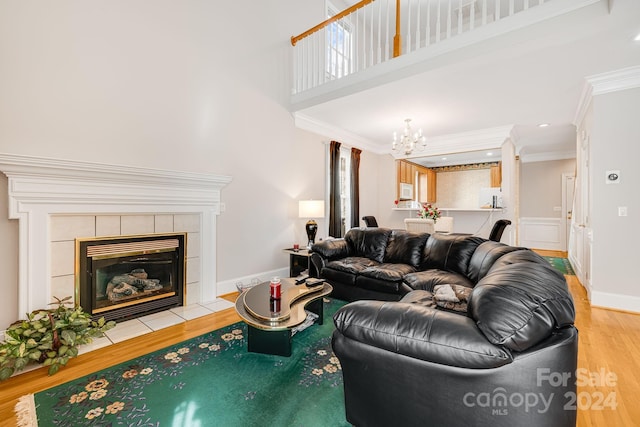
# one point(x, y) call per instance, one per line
point(339, 185)
point(339, 46)
point(345, 189)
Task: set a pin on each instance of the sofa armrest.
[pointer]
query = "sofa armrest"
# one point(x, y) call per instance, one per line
point(420, 332)
point(331, 249)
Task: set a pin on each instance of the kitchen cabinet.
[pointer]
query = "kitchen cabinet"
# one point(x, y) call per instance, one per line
point(496, 175)
point(422, 178)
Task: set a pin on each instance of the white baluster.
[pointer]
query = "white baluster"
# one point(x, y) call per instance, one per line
point(343, 36)
point(459, 16)
point(427, 32)
point(362, 44)
point(511, 7)
point(418, 27)
point(484, 12)
point(371, 47)
point(449, 19)
point(496, 11)
point(387, 49)
point(408, 30)
point(312, 55)
point(438, 23)
point(472, 16)
point(316, 50)
point(379, 56)
point(355, 42)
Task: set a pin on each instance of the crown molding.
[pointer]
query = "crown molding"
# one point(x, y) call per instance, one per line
point(599, 84)
point(613, 81)
point(335, 133)
point(545, 157)
point(481, 139)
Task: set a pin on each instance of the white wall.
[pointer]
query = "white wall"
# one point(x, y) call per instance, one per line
point(170, 85)
point(8, 260)
point(613, 140)
point(540, 225)
point(541, 187)
point(387, 194)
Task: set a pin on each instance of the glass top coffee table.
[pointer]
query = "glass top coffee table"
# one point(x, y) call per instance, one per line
point(269, 322)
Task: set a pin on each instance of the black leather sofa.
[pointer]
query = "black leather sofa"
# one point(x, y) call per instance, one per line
point(508, 360)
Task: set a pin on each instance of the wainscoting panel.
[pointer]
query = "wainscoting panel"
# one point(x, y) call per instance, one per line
point(542, 233)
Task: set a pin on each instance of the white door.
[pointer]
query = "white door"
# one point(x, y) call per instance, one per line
point(568, 191)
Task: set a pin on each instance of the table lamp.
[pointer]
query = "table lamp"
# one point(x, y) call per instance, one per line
point(311, 209)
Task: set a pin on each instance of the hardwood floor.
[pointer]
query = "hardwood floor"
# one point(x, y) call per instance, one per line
point(37, 380)
point(608, 360)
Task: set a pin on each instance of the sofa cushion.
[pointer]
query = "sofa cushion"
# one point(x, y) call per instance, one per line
point(352, 264)
point(519, 305)
point(385, 271)
point(426, 280)
point(485, 256)
point(382, 285)
point(331, 248)
point(337, 276)
point(370, 243)
point(525, 256)
point(405, 247)
point(426, 299)
point(423, 298)
point(420, 332)
point(449, 252)
point(385, 278)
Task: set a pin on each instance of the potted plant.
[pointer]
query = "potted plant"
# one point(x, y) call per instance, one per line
point(48, 336)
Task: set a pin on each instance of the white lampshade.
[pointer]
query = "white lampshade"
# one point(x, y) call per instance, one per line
point(311, 208)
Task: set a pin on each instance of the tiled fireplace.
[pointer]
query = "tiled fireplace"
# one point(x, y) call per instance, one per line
point(59, 201)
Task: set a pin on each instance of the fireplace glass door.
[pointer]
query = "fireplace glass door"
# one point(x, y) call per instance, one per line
point(130, 276)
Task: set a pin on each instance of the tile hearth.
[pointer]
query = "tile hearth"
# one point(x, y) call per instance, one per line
point(153, 322)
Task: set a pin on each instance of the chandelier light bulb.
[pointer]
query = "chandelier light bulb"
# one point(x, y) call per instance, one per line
point(408, 140)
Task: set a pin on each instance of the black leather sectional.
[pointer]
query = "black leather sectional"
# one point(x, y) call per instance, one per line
point(407, 361)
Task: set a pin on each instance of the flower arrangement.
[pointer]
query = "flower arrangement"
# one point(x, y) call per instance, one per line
point(429, 212)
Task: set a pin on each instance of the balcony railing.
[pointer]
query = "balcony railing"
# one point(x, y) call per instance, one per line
point(375, 31)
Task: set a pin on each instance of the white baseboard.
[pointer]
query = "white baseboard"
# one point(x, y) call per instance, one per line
point(615, 301)
point(228, 286)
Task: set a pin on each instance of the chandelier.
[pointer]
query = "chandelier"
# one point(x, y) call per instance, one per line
point(408, 140)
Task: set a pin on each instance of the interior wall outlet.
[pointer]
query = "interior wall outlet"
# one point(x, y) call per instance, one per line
point(622, 211)
point(223, 207)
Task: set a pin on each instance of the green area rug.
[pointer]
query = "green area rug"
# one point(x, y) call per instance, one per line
point(561, 264)
point(210, 380)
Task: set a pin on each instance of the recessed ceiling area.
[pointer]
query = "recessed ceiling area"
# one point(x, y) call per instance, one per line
point(454, 159)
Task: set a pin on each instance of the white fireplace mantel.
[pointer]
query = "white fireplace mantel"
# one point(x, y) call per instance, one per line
point(40, 187)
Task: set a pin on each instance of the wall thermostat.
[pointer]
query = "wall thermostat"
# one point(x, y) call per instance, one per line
point(613, 177)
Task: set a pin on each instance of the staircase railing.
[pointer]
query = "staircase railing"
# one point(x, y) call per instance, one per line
point(374, 31)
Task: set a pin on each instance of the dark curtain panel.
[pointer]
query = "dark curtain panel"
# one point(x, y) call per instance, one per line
point(335, 220)
point(355, 187)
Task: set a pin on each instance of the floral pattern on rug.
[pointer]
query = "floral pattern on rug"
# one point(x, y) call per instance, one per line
point(90, 402)
point(210, 380)
point(321, 365)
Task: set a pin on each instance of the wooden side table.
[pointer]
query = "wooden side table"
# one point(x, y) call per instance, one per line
point(299, 260)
